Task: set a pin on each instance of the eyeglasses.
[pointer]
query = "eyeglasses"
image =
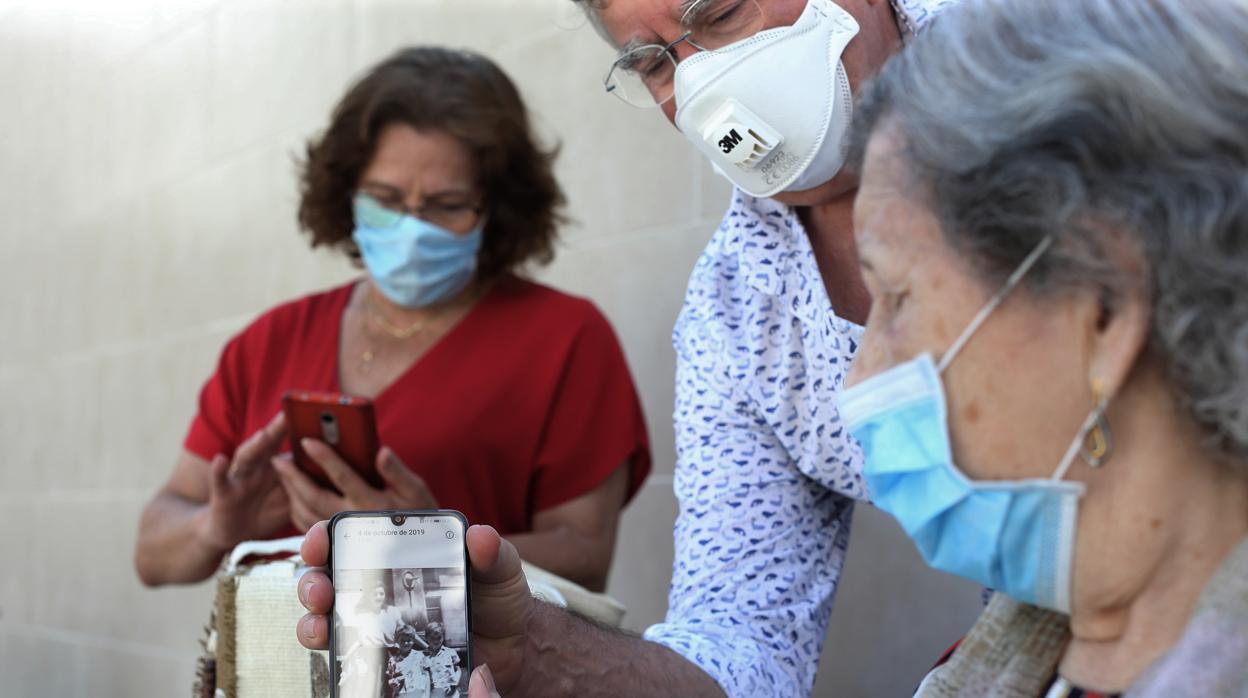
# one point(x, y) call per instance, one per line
point(644, 76)
point(384, 211)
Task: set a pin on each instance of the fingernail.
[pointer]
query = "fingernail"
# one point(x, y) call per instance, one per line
point(481, 679)
point(308, 627)
point(303, 592)
point(305, 442)
point(488, 678)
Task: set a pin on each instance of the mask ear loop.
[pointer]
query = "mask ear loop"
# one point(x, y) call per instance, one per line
point(996, 300)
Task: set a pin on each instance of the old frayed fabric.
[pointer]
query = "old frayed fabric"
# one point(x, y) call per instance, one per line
point(252, 641)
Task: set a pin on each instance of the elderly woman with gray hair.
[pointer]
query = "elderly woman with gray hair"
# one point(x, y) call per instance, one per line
point(1052, 391)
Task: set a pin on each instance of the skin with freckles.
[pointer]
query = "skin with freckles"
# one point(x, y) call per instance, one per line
point(924, 294)
point(1156, 519)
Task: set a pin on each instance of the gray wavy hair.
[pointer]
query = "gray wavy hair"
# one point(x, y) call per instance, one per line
point(1087, 119)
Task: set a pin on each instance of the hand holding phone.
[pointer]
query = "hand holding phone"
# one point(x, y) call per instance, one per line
point(311, 502)
point(401, 601)
point(345, 423)
point(501, 610)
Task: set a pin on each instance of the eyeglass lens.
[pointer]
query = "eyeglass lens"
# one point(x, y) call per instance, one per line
point(644, 76)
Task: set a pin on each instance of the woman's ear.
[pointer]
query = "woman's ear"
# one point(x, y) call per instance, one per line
point(1119, 333)
point(1119, 338)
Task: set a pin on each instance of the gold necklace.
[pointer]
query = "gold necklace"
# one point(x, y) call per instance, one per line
point(372, 311)
point(366, 356)
point(389, 327)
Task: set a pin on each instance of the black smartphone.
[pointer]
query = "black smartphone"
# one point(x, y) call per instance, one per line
point(402, 623)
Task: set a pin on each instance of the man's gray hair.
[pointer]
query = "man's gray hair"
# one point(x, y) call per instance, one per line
point(591, 8)
point(1091, 119)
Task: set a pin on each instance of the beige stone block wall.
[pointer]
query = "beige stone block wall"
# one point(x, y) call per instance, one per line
point(147, 212)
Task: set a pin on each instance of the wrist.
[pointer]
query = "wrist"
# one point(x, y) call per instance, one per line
point(543, 630)
point(205, 537)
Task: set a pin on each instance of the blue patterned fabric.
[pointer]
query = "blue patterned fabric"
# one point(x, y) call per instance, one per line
point(766, 474)
point(913, 14)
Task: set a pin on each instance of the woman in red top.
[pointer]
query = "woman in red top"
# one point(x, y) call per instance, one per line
point(494, 395)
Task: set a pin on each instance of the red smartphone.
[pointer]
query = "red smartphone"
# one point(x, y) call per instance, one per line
point(343, 422)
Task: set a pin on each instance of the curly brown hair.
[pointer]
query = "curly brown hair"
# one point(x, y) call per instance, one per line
point(460, 93)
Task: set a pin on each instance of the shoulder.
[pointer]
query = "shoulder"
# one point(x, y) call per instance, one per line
point(757, 248)
point(320, 310)
point(548, 311)
point(740, 283)
point(1211, 656)
point(311, 318)
point(537, 297)
point(299, 310)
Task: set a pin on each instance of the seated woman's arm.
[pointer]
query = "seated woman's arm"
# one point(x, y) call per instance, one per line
point(208, 507)
point(576, 539)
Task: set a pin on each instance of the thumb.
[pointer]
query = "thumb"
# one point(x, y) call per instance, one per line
point(494, 560)
point(501, 601)
point(481, 684)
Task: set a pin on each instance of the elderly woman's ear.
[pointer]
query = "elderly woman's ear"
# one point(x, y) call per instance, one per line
point(1118, 317)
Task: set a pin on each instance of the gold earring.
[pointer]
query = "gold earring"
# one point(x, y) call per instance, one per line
point(1099, 445)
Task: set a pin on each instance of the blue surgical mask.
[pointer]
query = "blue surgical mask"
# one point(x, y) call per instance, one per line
point(413, 262)
point(1013, 536)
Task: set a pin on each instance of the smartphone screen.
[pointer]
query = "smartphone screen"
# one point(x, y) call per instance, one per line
point(401, 617)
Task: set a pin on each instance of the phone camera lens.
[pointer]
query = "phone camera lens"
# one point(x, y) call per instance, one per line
point(398, 520)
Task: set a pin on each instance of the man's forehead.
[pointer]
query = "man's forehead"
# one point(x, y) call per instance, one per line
point(635, 23)
point(678, 8)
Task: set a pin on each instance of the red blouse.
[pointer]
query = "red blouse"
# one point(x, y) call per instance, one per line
point(523, 405)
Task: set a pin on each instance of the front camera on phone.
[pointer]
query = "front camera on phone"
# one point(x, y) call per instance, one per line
point(398, 520)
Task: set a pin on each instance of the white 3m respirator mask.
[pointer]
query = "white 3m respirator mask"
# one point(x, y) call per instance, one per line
point(772, 111)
